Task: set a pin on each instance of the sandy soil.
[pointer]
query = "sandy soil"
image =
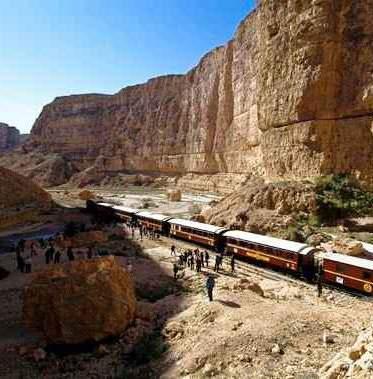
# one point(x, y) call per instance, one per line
point(239, 335)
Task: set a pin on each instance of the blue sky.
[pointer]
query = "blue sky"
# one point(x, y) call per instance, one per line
point(50, 48)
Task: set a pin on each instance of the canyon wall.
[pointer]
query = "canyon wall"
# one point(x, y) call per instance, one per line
point(9, 137)
point(289, 97)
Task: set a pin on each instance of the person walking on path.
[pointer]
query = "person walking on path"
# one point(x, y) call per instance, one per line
point(210, 284)
point(173, 250)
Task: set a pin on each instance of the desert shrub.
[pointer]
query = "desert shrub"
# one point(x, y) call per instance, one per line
point(339, 196)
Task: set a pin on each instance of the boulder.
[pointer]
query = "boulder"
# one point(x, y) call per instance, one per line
point(80, 302)
point(174, 195)
point(345, 246)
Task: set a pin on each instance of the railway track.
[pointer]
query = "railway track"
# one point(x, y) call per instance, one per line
point(245, 269)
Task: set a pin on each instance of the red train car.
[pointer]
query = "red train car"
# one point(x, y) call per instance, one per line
point(347, 271)
point(273, 252)
point(197, 232)
point(125, 214)
point(154, 221)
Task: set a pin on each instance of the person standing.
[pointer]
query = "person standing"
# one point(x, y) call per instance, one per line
point(198, 263)
point(70, 254)
point(319, 284)
point(173, 250)
point(141, 232)
point(28, 263)
point(47, 256)
point(57, 257)
point(90, 253)
point(216, 268)
point(233, 263)
point(207, 257)
point(176, 269)
point(192, 261)
point(210, 284)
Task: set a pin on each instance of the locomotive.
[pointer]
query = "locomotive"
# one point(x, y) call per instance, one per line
point(353, 273)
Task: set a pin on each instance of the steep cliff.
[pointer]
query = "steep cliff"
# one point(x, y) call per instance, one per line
point(290, 96)
point(9, 137)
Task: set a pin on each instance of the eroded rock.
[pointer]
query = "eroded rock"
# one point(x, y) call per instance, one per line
point(80, 302)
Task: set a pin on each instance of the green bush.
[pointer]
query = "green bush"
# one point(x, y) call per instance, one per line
point(338, 196)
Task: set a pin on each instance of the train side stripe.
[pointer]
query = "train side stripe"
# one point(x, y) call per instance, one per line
point(348, 277)
point(191, 234)
point(262, 254)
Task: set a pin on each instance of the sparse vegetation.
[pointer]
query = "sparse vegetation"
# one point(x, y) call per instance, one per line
point(338, 196)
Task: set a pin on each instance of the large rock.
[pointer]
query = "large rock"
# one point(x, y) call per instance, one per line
point(174, 195)
point(344, 246)
point(289, 97)
point(80, 302)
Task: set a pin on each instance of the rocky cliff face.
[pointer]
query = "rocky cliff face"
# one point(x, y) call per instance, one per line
point(290, 96)
point(9, 137)
point(20, 199)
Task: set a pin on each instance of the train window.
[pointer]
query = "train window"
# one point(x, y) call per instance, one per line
point(366, 275)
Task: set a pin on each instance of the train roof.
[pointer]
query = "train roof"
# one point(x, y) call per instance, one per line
point(126, 209)
point(294, 247)
point(349, 260)
point(106, 205)
point(197, 225)
point(153, 216)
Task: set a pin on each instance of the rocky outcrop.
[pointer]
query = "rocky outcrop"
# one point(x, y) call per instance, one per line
point(10, 137)
point(20, 199)
point(289, 97)
point(355, 362)
point(78, 302)
point(258, 206)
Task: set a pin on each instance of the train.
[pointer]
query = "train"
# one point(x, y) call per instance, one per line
point(299, 259)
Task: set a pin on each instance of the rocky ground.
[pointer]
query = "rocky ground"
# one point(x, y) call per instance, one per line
point(280, 331)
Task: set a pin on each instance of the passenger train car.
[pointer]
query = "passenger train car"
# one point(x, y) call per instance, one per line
point(203, 234)
point(297, 258)
point(154, 221)
point(125, 214)
point(348, 271)
point(274, 252)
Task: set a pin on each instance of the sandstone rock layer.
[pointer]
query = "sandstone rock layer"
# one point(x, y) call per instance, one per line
point(290, 96)
point(20, 199)
point(80, 302)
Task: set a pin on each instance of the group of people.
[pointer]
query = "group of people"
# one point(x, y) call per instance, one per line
point(52, 250)
point(143, 231)
point(196, 260)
